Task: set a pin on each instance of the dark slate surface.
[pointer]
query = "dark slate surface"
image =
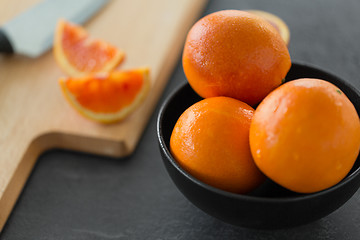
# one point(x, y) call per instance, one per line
point(78, 196)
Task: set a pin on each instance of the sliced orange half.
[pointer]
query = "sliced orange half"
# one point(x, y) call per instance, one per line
point(107, 97)
point(277, 22)
point(78, 54)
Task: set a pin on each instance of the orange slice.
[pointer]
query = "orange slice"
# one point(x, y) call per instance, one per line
point(78, 54)
point(107, 97)
point(276, 21)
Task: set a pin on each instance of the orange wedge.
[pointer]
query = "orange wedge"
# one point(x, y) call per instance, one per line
point(78, 54)
point(276, 21)
point(107, 97)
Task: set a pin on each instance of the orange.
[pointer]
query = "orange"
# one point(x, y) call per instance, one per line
point(211, 141)
point(305, 135)
point(78, 54)
point(235, 54)
point(277, 22)
point(107, 97)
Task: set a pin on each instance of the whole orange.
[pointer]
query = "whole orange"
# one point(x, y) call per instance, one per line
point(305, 135)
point(235, 54)
point(211, 141)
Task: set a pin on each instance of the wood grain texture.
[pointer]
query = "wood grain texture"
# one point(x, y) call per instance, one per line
point(34, 115)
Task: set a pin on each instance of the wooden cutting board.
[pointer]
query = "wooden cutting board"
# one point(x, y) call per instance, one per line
point(34, 115)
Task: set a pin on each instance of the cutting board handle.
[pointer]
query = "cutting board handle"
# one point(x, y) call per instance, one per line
point(45, 142)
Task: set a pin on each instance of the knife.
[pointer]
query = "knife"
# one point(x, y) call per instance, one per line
point(31, 33)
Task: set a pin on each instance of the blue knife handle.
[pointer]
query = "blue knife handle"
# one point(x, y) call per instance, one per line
point(5, 45)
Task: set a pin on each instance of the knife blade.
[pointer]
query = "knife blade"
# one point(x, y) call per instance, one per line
point(31, 33)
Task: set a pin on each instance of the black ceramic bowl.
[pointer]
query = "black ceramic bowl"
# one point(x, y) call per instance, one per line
point(270, 206)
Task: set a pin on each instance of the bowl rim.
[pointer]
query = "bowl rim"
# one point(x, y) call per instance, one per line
point(227, 194)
